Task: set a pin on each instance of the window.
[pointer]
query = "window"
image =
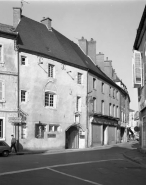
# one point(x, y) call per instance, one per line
point(113, 110)
point(122, 116)
point(80, 78)
point(23, 60)
point(117, 112)
point(117, 95)
point(23, 131)
point(110, 109)
point(94, 104)
point(102, 87)
point(1, 53)
point(53, 128)
point(78, 104)
point(2, 91)
point(113, 93)
point(51, 72)
point(102, 107)
point(23, 96)
point(94, 83)
point(110, 91)
point(50, 99)
point(2, 129)
point(39, 130)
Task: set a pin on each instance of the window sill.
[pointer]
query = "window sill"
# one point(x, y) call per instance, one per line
point(52, 108)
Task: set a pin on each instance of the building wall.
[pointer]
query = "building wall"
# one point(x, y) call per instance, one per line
point(102, 92)
point(8, 75)
point(34, 79)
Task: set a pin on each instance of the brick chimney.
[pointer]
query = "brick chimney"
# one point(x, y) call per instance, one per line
point(17, 12)
point(47, 21)
point(108, 69)
point(100, 60)
point(83, 45)
point(92, 50)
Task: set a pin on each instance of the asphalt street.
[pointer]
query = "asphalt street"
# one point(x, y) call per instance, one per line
point(106, 166)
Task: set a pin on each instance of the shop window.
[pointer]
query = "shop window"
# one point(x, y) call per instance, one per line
point(39, 130)
point(53, 128)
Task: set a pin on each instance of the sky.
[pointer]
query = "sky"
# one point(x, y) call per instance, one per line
point(113, 24)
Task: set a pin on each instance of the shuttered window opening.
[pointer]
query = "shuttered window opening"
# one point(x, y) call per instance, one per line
point(2, 91)
point(144, 132)
point(137, 68)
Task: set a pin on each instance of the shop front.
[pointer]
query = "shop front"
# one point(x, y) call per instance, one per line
point(103, 130)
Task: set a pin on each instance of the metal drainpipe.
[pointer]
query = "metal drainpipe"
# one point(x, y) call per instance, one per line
point(87, 110)
point(18, 86)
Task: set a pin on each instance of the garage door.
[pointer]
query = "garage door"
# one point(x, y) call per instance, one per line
point(111, 135)
point(96, 135)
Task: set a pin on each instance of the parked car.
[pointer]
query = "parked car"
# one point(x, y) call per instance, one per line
point(4, 148)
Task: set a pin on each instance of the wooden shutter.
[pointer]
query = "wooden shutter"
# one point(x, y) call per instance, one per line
point(137, 69)
point(2, 91)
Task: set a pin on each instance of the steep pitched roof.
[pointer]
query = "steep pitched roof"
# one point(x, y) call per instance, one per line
point(7, 29)
point(140, 29)
point(35, 37)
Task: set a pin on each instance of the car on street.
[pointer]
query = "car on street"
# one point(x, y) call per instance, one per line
point(4, 149)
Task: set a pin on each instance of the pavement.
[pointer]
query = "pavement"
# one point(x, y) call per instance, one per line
point(134, 153)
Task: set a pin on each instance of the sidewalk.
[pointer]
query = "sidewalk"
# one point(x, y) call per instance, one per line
point(136, 155)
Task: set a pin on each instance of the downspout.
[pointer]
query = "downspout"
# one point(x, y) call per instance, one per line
point(18, 86)
point(87, 111)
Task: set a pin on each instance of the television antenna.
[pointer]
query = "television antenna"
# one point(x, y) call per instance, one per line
point(22, 3)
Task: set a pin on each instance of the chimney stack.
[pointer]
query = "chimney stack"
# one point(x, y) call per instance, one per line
point(17, 12)
point(83, 45)
point(47, 21)
point(108, 69)
point(92, 50)
point(100, 61)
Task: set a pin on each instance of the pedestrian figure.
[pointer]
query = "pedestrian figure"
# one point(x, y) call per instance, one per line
point(13, 143)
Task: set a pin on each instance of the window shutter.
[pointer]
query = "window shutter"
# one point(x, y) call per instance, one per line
point(137, 69)
point(2, 91)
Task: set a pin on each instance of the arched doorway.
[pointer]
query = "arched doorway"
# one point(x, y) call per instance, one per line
point(72, 137)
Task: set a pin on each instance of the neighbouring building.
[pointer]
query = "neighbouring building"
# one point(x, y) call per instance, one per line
point(8, 81)
point(139, 74)
point(63, 98)
point(108, 103)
